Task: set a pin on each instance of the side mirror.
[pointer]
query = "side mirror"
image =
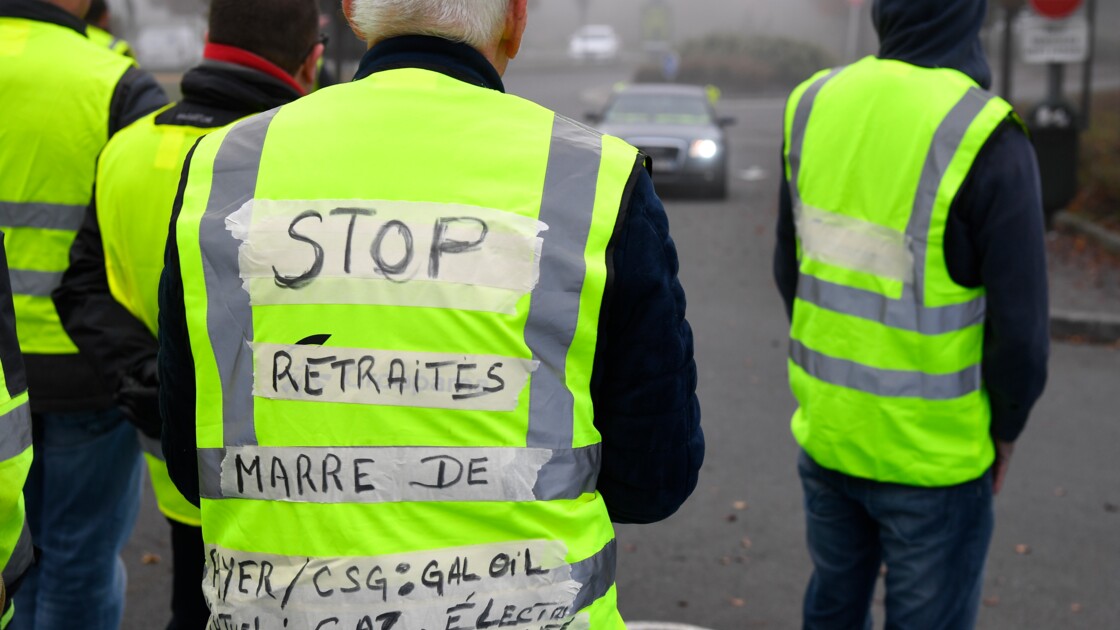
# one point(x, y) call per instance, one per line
point(726, 121)
point(593, 117)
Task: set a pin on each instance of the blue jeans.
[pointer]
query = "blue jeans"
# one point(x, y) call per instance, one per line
point(933, 541)
point(83, 495)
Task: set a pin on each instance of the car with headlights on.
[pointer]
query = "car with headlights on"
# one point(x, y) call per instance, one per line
point(677, 127)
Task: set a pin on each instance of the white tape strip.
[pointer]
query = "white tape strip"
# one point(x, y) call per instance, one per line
point(521, 585)
point(383, 377)
point(383, 252)
point(850, 243)
point(381, 474)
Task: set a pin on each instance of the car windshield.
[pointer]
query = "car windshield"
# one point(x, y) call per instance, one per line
point(661, 109)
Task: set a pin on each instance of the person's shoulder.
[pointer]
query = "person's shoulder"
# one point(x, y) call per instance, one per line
point(128, 140)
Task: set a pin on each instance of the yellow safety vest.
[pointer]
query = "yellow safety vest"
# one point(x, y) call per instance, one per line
point(137, 178)
point(16, 552)
point(392, 291)
point(885, 350)
point(55, 91)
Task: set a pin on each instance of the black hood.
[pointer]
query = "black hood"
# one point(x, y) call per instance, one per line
point(216, 93)
point(934, 34)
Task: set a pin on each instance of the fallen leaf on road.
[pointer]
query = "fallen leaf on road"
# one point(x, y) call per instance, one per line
point(731, 518)
point(1075, 608)
point(738, 602)
point(746, 542)
point(1111, 508)
point(1023, 550)
point(150, 558)
point(739, 505)
point(726, 560)
point(991, 602)
point(1059, 491)
point(682, 604)
point(630, 547)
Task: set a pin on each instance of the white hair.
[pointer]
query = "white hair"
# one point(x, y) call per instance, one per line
point(478, 23)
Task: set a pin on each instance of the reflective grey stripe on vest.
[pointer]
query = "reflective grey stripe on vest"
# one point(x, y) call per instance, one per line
point(567, 207)
point(950, 134)
point(50, 216)
point(236, 167)
point(885, 383)
point(22, 556)
point(596, 574)
point(34, 283)
point(15, 432)
point(898, 314)
point(797, 131)
point(567, 474)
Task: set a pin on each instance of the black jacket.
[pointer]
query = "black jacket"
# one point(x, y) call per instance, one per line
point(121, 347)
point(644, 379)
point(69, 382)
point(995, 236)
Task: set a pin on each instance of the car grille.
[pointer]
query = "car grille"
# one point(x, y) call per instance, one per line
point(667, 154)
point(665, 159)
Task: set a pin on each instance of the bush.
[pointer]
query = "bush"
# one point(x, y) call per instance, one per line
point(739, 64)
point(1099, 197)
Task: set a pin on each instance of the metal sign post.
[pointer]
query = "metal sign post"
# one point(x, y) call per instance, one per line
point(1055, 33)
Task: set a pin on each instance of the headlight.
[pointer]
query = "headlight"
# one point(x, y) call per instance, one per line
point(704, 149)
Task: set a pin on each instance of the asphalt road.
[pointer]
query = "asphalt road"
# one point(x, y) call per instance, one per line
point(734, 557)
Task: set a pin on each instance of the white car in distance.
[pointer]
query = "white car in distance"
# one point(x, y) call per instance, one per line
point(594, 42)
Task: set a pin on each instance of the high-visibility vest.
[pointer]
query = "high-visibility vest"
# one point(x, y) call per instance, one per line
point(137, 178)
point(55, 93)
point(16, 552)
point(393, 291)
point(104, 38)
point(885, 349)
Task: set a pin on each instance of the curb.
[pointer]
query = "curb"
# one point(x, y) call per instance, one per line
point(1097, 327)
point(1103, 328)
point(1105, 238)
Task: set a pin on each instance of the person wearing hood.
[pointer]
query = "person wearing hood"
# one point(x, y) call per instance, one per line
point(260, 54)
point(910, 256)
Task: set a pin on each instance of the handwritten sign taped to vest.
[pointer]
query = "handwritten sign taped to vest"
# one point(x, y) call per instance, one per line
point(394, 253)
point(382, 377)
point(524, 585)
point(381, 474)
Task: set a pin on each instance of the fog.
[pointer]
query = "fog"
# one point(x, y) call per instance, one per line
point(822, 21)
point(825, 23)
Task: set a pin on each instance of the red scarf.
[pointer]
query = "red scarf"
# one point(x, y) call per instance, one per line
point(242, 57)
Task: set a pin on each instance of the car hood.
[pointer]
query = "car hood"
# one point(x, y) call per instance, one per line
point(684, 132)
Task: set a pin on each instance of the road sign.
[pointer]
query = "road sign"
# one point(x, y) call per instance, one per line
point(1055, 9)
point(1054, 41)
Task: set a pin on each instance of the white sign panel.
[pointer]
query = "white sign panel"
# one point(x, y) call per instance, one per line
point(1054, 41)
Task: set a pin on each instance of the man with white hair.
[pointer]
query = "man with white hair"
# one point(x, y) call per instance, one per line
point(421, 343)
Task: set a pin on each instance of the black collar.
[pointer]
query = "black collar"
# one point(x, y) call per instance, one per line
point(454, 59)
point(41, 12)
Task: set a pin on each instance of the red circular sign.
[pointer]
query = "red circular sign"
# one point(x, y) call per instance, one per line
point(1055, 9)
